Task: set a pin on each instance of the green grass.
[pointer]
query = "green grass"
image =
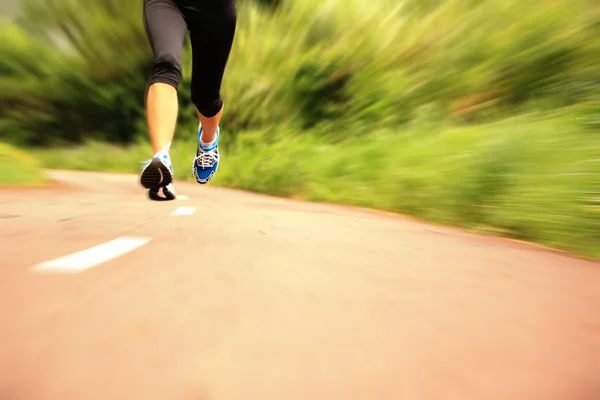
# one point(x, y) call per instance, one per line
point(531, 177)
point(19, 169)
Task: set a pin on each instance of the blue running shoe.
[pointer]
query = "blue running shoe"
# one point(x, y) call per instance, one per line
point(157, 173)
point(206, 161)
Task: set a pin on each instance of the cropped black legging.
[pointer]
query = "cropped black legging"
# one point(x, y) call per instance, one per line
point(211, 24)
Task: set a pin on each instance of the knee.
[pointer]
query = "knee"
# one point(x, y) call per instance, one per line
point(207, 106)
point(166, 68)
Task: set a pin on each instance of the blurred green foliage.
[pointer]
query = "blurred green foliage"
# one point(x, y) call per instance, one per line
point(70, 71)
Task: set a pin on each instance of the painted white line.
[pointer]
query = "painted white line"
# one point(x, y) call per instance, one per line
point(93, 256)
point(182, 197)
point(184, 211)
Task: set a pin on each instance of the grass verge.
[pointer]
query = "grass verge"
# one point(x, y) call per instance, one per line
point(532, 177)
point(18, 168)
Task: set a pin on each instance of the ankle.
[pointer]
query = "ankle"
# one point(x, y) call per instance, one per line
point(206, 138)
point(209, 137)
point(164, 150)
point(208, 145)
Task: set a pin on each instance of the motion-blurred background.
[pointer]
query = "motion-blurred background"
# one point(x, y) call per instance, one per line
point(477, 113)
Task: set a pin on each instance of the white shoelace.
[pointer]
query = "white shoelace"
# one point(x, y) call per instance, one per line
point(206, 159)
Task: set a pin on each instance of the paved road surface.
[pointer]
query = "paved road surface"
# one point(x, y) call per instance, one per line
point(247, 297)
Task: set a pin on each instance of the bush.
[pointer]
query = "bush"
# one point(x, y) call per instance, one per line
point(69, 72)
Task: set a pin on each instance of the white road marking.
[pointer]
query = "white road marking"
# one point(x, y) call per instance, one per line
point(93, 256)
point(184, 211)
point(182, 197)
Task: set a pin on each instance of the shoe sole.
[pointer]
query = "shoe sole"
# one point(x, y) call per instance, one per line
point(168, 195)
point(156, 175)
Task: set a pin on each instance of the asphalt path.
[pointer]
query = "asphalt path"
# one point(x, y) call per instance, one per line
point(222, 294)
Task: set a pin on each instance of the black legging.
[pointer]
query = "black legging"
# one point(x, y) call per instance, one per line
point(211, 24)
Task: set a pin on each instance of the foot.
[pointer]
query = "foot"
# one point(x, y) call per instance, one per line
point(157, 174)
point(206, 161)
